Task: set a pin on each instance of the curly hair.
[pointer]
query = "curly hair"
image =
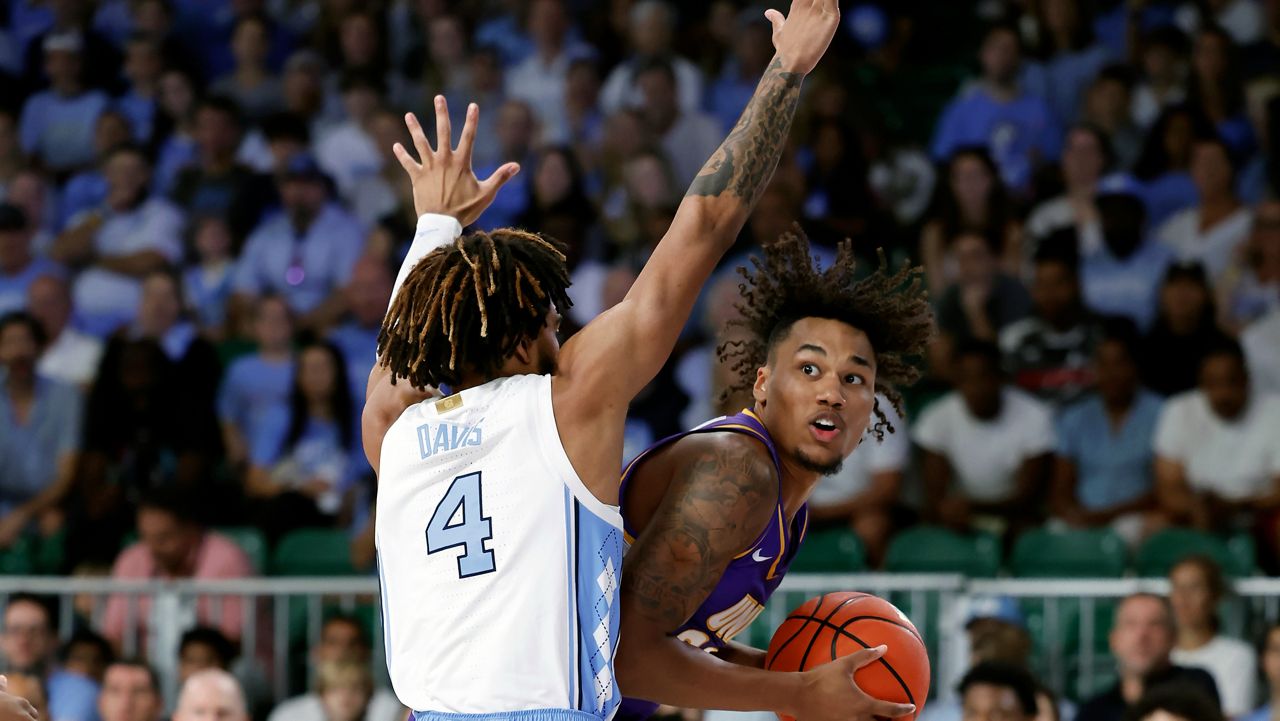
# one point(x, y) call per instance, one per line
point(468, 306)
point(891, 308)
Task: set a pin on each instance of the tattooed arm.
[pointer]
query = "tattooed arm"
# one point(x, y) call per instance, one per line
point(720, 499)
point(606, 364)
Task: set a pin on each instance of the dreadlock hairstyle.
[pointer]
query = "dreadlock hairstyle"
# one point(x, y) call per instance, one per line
point(889, 307)
point(469, 306)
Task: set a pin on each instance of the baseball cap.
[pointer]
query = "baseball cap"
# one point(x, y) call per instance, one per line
point(67, 42)
point(1000, 608)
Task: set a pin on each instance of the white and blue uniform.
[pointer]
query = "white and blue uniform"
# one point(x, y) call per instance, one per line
point(499, 568)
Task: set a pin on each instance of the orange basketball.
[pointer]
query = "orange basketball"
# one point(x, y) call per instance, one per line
point(838, 624)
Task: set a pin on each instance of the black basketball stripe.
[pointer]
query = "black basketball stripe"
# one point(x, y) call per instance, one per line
point(882, 619)
point(824, 622)
point(823, 599)
point(911, 699)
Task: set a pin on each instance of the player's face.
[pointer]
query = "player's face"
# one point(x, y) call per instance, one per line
point(988, 702)
point(817, 392)
point(546, 348)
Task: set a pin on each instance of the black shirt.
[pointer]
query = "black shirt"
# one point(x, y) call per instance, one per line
point(1110, 705)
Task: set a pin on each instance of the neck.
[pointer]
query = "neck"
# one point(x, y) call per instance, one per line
point(319, 409)
point(1002, 90)
point(218, 163)
point(274, 354)
point(1062, 40)
point(1218, 204)
point(1193, 637)
point(1131, 687)
point(21, 386)
point(67, 89)
point(549, 51)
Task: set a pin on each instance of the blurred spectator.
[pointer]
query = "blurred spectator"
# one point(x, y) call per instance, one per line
point(687, 137)
point(1048, 352)
point(251, 84)
point(752, 47)
point(1141, 639)
point(211, 694)
point(1217, 89)
point(1259, 175)
point(1102, 474)
point(982, 301)
point(972, 200)
point(582, 106)
point(305, 456)
point(1240, 20)
point(1184, 329)
point(172, 544)
point(40, 438)
point(1165, 158)
point(305, 93)
point(985, 446)
point(216, 184)
point(130, 692)
point(1269, 650)
point(1196, 587)
point(1120, 276)
point(87, 189)
point(286, 135)
point(386, 192)
point(29, 644)
point(864, 493)
point(70, 356)
point(116, 247)
point(540, 79)
point(258, 383)
point(87, 654)
point(1018, 128)
point(161, 318)
point(994, 691)
point(143, 66)
point(1217, 463)
point(19, 268)
point(11, 155)
point(57, 124)
point(101, 59)
point(38, 200)
point(1212, 231)
point(838, 202)
point(514, 132)
point(1249, 288)
point(342, 640)
point(1163, 63)
point(1175, 704)
point(1107, 106)
point(1262, 56)
point(646, 185)
point(176, 123)
point(651, 29)
point(305, 252)
point(485, 67)
point(207, 281)
point(368, 295)
point(1086, 156)
point(1066, 56)
point(345, 689)
point(346, 150)
point(1261, 343)
point(443, 67)
point(201, 648)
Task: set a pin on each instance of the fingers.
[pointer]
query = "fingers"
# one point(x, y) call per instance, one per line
point(468, 133)
point(28, 709)
point(491, 184)
point(419, 137)
point(887, 709)
point(775, 19)
point(866, 656)
point(4, 683)
point(444, 129)
point(407, 162)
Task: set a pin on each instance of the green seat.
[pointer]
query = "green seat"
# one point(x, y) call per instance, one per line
point(836, 550)
point(1085, 553)
point(313, 552)
point(18, 559)
point(251, 541)
point(930, 549)
point(1164, 549)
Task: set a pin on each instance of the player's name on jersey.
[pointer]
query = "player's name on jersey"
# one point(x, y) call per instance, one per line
point(436, 438)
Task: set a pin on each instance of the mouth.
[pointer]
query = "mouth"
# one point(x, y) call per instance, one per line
point(826, 427)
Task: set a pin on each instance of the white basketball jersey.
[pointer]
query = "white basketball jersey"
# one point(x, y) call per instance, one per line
point(499, 568)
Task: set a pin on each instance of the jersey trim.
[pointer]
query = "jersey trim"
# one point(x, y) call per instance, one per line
point(554, 454)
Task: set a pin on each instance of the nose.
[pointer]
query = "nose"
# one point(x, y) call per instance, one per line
point(831, 394)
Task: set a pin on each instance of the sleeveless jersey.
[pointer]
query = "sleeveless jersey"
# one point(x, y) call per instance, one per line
point(753, 575)
point(499, 569)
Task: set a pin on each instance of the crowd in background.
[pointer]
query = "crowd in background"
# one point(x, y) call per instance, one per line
point(201, 218)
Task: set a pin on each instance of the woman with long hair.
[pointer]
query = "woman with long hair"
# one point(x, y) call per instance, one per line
point(1196, 588)
point(1165, 162)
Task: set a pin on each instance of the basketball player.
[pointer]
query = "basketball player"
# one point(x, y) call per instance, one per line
point(718, 512)
point(498, 537)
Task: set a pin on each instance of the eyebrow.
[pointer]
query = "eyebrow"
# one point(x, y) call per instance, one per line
point(857, 359)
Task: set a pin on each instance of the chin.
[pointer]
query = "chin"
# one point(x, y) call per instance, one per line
point(820, 464)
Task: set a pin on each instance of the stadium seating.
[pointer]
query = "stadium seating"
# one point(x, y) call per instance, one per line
point(313, 552)
point(930, 549)
point(1082, 553)
point(836, 550)
point(251, 541)
point(1164, 549)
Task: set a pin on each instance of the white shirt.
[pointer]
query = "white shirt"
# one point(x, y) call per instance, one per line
point(620, 90)
point(542, 86)
point(689, 143)
point(1231, 662)
point(1242, 19)
point(1214, 248)
point(382, 707)
point(1237, 460)
point(1146, 107)
point(871, 457)
point(986, 454)
point(347, 154)
point(1261, 343)
point(1057, 213)
point(72, 358)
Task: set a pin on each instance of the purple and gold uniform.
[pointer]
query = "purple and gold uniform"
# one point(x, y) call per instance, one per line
point(750, 578)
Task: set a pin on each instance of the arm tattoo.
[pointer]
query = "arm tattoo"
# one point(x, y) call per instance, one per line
point(744, 162)
point(715, 507)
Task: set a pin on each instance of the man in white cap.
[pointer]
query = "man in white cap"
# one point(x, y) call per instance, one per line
point(57, 124)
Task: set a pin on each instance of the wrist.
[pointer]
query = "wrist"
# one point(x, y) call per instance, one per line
point(786, 66)
point(438, 222)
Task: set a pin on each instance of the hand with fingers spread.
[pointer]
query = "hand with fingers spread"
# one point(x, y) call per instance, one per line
point(443, 180)
point(832, 695)
point(803, 35)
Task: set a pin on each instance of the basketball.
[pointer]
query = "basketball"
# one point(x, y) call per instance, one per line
point(838, 624)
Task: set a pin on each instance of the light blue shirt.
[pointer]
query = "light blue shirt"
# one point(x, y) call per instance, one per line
point(1063, 79)
point(85, 191)
point(328, 250)
point(1261, 714)
point(252, 388)
point(1011, 131)
point(141, 113)
point(13, 288)
point(1128, 287)
point(1113, 465)
point(319, 451)
point(72, 697)
point(1168, 194)
point(58, 129)
point(29, 451)
point(359, 347)
point(207, 294)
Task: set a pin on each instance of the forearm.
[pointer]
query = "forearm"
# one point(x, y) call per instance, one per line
point(55, 492)
point(433, 231)
point(670, 671)
point(742, 654)
point(74, 246)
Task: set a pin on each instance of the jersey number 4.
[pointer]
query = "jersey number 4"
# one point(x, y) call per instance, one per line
point(470, 530)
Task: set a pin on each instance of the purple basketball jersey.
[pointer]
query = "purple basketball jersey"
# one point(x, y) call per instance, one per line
point(750, 578)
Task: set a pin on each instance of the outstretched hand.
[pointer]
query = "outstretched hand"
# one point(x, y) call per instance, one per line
point(443, 180)
point(802, 37)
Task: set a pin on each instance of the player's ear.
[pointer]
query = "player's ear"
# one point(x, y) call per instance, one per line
point(525, 352)
point(759, 390)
